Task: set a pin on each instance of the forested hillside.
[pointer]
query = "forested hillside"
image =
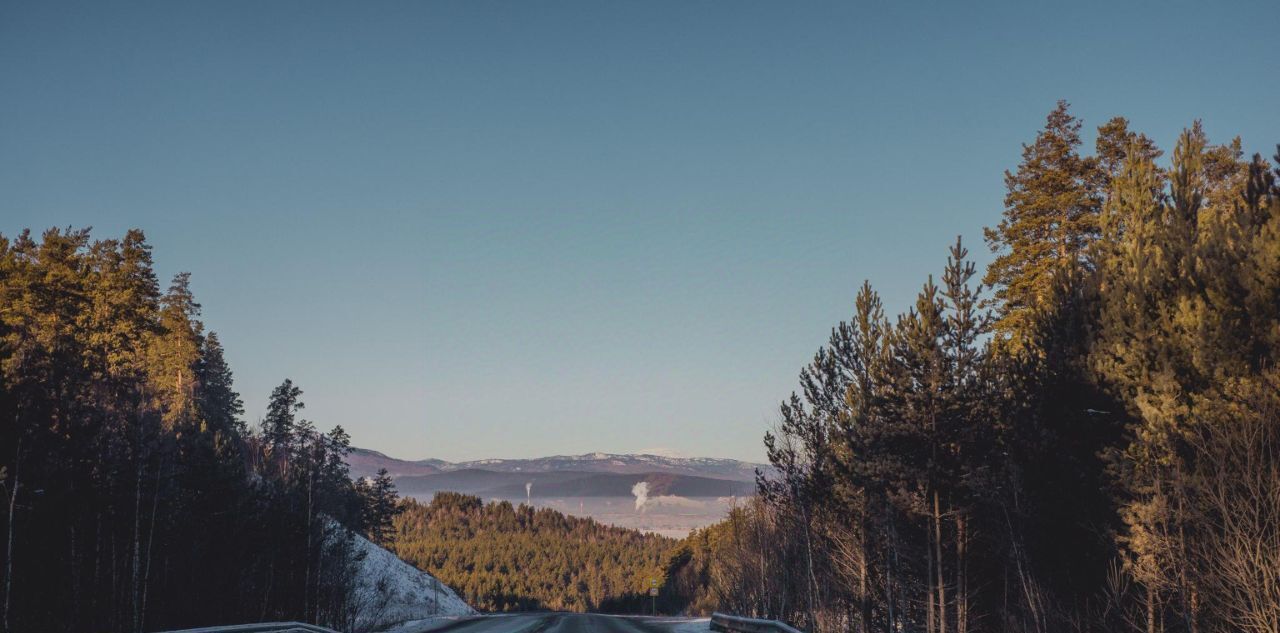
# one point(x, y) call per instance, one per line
point(1085, 438)
point(135, 496)
point(515, 558)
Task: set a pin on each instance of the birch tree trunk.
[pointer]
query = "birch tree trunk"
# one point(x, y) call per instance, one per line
point(812, 579)
point(1151, 610)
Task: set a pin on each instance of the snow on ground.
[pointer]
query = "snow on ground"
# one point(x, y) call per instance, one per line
point(700, 625)
point(675, 624)
point(426, 624)
point(390, 591)
point(520, 622)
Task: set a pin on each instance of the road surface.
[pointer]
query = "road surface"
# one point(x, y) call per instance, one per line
point(557, 623)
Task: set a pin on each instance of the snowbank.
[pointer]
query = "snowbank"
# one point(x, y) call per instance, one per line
point(389, 591)
point(699, 625)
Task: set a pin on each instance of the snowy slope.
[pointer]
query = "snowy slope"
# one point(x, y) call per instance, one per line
point(390, 591)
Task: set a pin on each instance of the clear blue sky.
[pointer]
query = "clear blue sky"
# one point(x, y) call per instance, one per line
point(474, 229)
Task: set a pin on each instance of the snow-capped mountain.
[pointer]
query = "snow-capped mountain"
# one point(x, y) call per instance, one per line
point(366, 462)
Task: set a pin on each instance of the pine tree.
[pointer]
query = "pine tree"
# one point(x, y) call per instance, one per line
point(858, 347)
point(1050, 218)
point(278, 425)
point(219, 403)
point(1115, 142)
point(381, 507)
point(174, 354)
point(969, 432)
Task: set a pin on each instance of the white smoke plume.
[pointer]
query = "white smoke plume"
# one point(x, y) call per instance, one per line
point(528, 491)
point(641, 491)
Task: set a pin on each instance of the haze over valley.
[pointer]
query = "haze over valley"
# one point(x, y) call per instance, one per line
point(653, 493)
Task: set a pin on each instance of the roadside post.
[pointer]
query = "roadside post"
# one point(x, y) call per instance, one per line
point(653, 594)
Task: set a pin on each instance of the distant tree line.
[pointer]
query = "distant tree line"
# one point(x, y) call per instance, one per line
point(501, 557)
point(1086, 440)
point(135, 497)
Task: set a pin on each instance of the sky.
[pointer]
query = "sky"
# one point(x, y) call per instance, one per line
point(511, 229)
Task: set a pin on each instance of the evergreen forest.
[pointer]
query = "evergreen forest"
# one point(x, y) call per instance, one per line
point(500, 557)
point(1083, 437)
point(135, 496)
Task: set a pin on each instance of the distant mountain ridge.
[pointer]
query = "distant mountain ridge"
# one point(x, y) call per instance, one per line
point(365, 462)
point(490, 484)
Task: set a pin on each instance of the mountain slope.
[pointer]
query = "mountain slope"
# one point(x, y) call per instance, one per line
point(365, 462)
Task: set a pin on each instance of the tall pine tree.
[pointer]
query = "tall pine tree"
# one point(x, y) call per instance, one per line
point(1050, 217)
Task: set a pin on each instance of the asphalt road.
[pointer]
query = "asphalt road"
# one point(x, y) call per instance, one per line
point(563, 623)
